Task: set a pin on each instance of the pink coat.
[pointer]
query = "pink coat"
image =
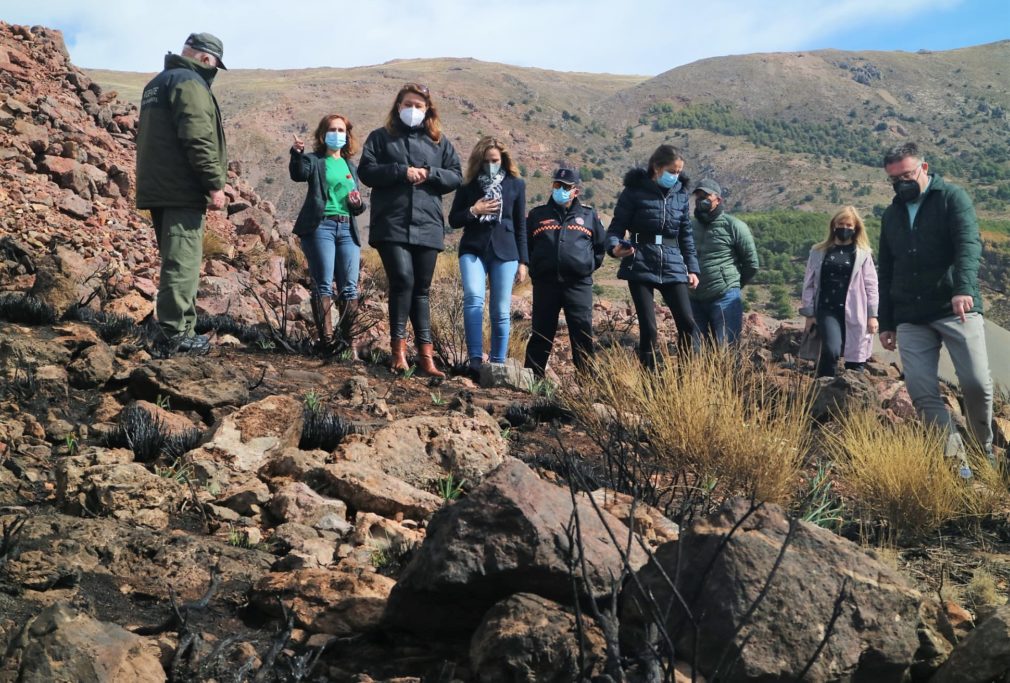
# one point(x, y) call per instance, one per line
point(860, 302)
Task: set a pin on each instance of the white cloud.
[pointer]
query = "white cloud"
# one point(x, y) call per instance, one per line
point(634, 36)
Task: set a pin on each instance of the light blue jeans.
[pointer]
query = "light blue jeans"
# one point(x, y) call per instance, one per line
point(475, 272)
point(331, 251)
point(721, 320)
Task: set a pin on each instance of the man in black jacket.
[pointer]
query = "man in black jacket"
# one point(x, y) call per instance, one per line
point(928, 261)
point(567, 243)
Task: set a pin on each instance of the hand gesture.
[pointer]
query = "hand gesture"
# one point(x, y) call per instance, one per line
point(217, 199)
point(888, 340)
point(485, 207)
point(872, 325)
point(621, 251)
point(692, 281)
point(298, 145)
point(962, 305)
point(521, 273)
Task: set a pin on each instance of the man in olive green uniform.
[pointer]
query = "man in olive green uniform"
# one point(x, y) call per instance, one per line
point(182, 167)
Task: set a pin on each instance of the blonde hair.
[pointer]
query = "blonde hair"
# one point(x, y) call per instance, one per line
point(860, 239)
point(487, 142)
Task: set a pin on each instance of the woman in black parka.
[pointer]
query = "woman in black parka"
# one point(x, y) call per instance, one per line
point(410, 165)
point(651, 233)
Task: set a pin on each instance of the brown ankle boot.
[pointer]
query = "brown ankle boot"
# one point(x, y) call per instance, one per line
point(426, 361)
point(398, 362)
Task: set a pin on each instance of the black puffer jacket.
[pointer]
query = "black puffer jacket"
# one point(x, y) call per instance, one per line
point(646, 209)
point(402, 212)
point(564, 244)
point(311, 168)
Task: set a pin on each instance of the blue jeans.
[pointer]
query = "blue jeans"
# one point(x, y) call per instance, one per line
point(720, 319)
point(475, 271)
point(330, 248)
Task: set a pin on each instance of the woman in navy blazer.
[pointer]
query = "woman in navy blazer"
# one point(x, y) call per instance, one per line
point(491, 209)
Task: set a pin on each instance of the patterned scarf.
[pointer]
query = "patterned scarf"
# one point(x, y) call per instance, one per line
point(492, 191)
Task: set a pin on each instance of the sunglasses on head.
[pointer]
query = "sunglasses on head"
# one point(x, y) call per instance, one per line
point(423, 89)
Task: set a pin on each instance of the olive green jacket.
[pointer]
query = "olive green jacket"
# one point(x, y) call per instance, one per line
point(181, 153)
point(726, 255)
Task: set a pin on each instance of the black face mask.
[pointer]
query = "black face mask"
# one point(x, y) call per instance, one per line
point(907, 190)
point(844, 234)
point(704, 212)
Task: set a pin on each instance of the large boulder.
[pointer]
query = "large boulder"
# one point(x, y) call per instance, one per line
point(200, 384)
point(107, 483)
point(63, 646)
point(529, 638)
point(368, 489)
point(340, 602)
point(422, 449)
point(722, 565)
point(245, 440)
point(507, 536)
point(984, 655)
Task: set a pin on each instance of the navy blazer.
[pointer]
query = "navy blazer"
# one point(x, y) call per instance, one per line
point(507, 237)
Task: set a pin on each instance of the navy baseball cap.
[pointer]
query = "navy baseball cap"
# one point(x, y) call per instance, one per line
point(568, 176)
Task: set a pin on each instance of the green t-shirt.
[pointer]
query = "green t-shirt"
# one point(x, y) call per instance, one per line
point(339, 184)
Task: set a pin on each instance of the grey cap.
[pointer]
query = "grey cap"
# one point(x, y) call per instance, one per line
point(209, 43)
point(708, 186)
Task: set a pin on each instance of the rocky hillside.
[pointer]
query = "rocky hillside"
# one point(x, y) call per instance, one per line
point(785, 130)
point(266, 515)
point(67, 206)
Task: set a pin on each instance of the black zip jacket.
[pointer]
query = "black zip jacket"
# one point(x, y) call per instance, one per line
point(401, 212)
point(564, 244)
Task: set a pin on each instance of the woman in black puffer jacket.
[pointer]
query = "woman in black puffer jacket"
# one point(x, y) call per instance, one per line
point(651, 233)
point(410, 165)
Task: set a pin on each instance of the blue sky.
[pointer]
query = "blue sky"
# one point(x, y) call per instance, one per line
point(633, 37)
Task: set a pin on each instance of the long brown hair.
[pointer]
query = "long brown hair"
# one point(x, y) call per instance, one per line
point(473, 164)
point(860, 239)
point(348, 150)
point(431, 122)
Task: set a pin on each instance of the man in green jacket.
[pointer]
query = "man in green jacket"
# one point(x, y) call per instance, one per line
point(182, 168)
point(928, 260)
point(728, 260)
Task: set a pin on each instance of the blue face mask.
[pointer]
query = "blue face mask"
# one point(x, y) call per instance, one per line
point(668, 179)
point(335, 140)
point(561, 195)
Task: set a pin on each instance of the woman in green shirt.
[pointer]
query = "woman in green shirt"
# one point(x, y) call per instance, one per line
point(326, 224)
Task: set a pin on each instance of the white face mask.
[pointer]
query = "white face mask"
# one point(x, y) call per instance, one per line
point(412, 117)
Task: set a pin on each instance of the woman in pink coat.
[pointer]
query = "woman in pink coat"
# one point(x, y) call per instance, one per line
point(840, 294)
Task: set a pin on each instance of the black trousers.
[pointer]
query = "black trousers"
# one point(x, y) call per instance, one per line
point(675, 296)
point(831, 325)
point(409, 269)
point(550, 297)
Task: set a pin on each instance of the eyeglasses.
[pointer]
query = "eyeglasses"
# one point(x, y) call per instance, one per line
point(907, 175)
point(423, 89)
point(558, 184)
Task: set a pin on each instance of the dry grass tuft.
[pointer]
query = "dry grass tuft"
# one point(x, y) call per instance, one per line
point(710, 413)
point(214, 245)
point(981, 590)
point(898, 473)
